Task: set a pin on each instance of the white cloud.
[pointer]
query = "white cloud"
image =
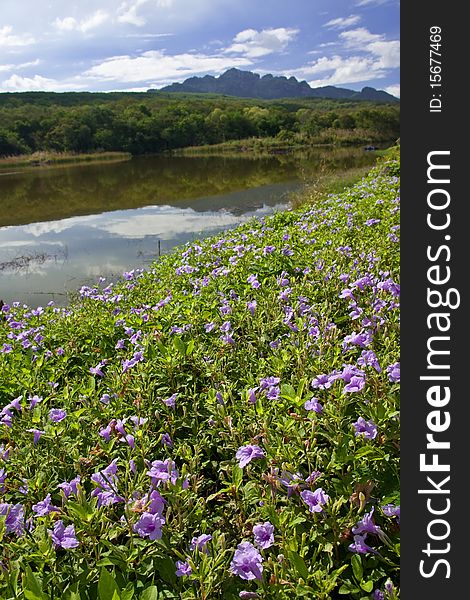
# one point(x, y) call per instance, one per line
point(129, 11)
point(254, 44)
point(370, 57)
point(342, 70)
point(394, 90)
point(7, 38)
point(26, 65)
point(358, 38)
point(156, 67)
point(386, 52)
point(37, 83)
point(343, 22)
point(66, 24)
point(71, 24)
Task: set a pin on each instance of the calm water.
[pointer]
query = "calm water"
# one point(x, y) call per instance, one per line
point(64, 227)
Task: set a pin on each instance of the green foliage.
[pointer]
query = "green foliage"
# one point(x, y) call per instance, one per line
point(157, 122)
point(115, 358)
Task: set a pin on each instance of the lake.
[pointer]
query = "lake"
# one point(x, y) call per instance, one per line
point(63, 227)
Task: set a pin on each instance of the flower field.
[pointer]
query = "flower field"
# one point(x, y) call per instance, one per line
point(224, 425)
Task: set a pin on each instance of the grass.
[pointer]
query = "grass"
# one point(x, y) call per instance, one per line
point(223, 425)
point(47, 159)
point(284, 144)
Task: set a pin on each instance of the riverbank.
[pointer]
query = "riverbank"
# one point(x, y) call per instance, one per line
point(50, 159)
point(288, 144)
point(224, 421)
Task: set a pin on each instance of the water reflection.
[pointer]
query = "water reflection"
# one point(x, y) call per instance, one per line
point(43, 261)
point(63, 227)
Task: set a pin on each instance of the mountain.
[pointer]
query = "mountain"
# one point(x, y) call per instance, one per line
point(246, 84)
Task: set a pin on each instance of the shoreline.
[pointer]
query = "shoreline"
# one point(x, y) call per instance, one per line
point(40, 160)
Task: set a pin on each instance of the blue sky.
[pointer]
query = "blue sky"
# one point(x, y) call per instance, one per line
point(104, 45)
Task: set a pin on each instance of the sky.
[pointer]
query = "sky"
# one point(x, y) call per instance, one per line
point(134, 45)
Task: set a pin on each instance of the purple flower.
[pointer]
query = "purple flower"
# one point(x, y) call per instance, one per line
point(358, 339)
point(251, 306)
point(321, 382)
point(57, 414)
point(252, 395)
point(63, 537)
point(226, 327)
point(367, 525)
point(264, 535)
point(273, 393)
point(359, 546)
point(268, 382)
point(97, 370)
point(244, 595)
point(356, 384)
point(253, 280)
point(209, 327)
point(171, 401)
point(378, 595)
point(245, 454)
point(315, 500)
point(247, 562)
point(366, 428)
point(314, 405)
point(291, 481)
point(166, 440)
point(105, 399)
point(105, 432)
point(389, 588)
point(45, 507)
point(182, 569)
point(70, 487)
point(369, 358)
point(106, 480)
point(149, 525)
point(163, 471)
point(33, 401)
point(390, 510)
point(36, 434)
point(200, 542)
point(129, 439)
point(394, 372)
point(14, 522)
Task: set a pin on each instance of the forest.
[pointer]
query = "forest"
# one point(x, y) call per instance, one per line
point(144, 123)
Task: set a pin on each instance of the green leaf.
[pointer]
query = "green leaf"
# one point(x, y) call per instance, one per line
point(106, 562)
point(190, 348)
point(179, 345)
point(287, 391)
point(128, 592)
point(299, 564)
point(348, 588)
point(151, 593)
point(33, 587)
point(356, 563)
point(237, 474)
point(367, 585)
point(107, 587)
point(166, 569)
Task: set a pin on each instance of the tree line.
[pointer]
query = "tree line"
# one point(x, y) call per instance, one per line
point(154, 123)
